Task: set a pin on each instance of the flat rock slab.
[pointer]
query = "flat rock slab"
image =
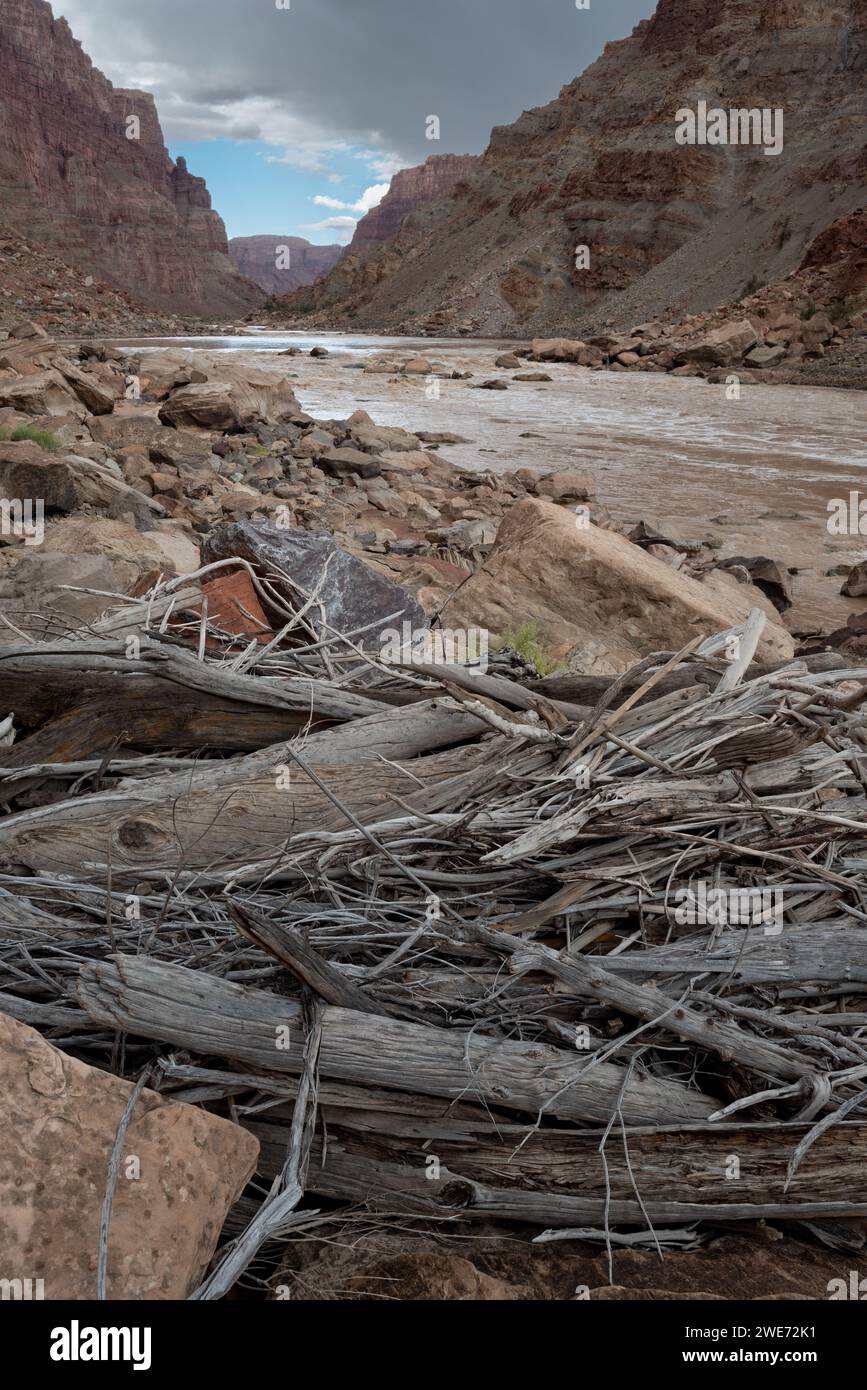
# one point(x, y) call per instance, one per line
point(352, 595)
point(58, 1121)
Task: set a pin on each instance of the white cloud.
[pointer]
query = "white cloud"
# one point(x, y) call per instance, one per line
point(370, 198)
point(343, 226)
point(381, 162)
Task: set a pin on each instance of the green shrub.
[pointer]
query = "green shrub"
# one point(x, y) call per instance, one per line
point(43, 438)
point(525, 641)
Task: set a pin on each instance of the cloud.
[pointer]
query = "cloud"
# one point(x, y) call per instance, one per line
point(319, 79)
point(343, 226)
point(370, 198)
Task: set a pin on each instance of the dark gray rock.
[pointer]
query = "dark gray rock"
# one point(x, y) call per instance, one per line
point(352, 595)
point(768, 575)
point(343, 463)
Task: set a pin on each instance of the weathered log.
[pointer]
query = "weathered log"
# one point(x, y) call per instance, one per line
point(589, 979)
point(723, 1165)
point(216, 1018)
point(572, 685)
point(834, 955)
point(351, 1177)
point(231, 813)
point(47, 678)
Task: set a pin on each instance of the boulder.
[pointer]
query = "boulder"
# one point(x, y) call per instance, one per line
point(855, 583)
point(181, 449)
point(349, 594)
point(182, 1171)
point(592, 593)
point(209, 404)
point(508, 360)
point(768, 575)
point(373, 439)
point(43, 393)
point(242, 396)
point(98, 399)
point(91, 552)
point(28, 472)
point(129, 424)
point(569, 485)
point(26, 329)
point(762, 357)
point(817, 330)
point(344, 463)
point(647, 536)
point(558, 349)
point(721, 346)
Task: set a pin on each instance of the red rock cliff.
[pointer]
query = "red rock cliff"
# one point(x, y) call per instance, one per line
point(116, 207)
point(411, 189)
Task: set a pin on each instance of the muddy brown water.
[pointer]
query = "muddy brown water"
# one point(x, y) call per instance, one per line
point(757, 472)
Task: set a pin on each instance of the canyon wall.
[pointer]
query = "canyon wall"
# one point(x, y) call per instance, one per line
point(411, 189)
point(669, 229)
point(116, 207)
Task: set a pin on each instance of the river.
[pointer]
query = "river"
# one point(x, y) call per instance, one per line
point(756, 472)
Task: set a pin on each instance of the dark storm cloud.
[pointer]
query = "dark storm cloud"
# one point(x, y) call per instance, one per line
point(326, 74)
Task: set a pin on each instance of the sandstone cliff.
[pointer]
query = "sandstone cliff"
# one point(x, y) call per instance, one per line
point(411, 189)
point(670, 229)
point(116, 207)
point(256, 257)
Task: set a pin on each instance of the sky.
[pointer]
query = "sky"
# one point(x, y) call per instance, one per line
point(298, 112)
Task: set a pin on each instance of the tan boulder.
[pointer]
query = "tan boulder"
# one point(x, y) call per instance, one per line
point(89, 552)
point(721, 346)
point(567, 485)
point(29, 472)
point(182, 1169)
point(129, 424)
point(594, 594)
point(558, 349)
point(239, 398)
point(44, 393)
point(97, 397)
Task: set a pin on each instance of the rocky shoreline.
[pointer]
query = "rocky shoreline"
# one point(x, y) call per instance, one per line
point(138, 458)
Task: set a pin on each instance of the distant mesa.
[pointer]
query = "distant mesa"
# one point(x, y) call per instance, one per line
point(280, 264)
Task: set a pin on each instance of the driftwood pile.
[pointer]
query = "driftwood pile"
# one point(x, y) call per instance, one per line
point(453, 945)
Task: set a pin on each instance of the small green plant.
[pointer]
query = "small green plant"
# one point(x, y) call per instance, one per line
point(44, 438)
point(525, 641)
